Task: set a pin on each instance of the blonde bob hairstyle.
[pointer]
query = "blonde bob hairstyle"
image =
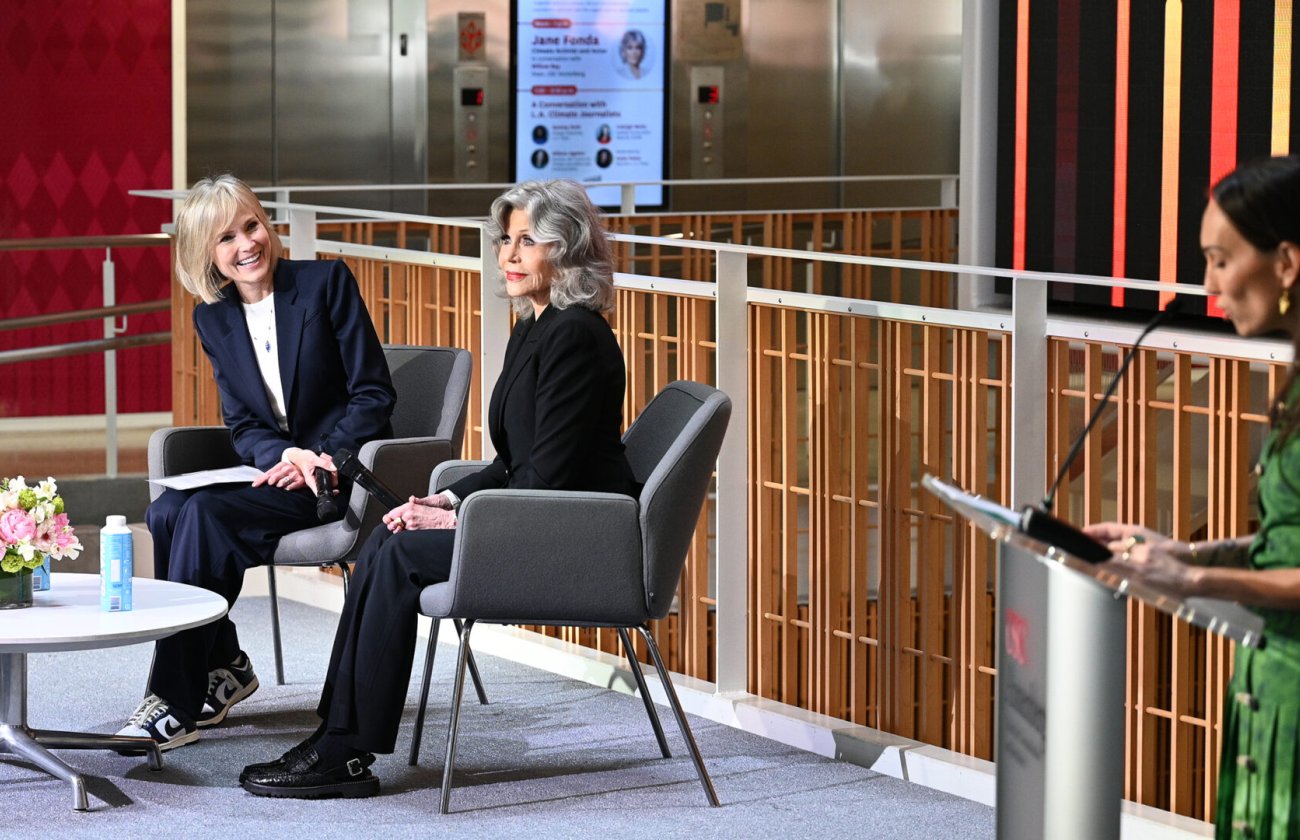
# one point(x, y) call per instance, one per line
point(562, 217)
point(210, 210)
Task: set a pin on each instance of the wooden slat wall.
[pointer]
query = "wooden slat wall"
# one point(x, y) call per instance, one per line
point(1176, 453)
point(868, 602)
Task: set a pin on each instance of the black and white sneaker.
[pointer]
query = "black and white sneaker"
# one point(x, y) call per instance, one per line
point(226, 687)
point(157, 719)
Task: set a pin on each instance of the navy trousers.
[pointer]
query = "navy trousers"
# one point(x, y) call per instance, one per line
point(207, 538)
point(370, 666)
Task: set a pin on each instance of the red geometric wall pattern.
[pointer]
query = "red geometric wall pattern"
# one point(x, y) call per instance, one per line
point(86, 105)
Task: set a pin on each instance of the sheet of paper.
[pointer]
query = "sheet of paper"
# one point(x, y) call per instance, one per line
point(207, 478)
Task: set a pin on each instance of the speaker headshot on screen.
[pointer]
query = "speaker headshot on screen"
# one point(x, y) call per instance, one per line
point(603, 134)
point(604, 158)
point(632, 53)
point(540, 158)
point(540, 134)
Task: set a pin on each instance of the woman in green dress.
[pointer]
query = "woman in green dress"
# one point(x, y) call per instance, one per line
point(1250, 235)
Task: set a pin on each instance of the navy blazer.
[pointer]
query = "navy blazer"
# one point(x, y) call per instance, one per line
point(556, 412)
point(337, 391)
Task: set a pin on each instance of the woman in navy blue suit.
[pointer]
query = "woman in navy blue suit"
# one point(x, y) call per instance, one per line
point(554, 417)
point(301, 374)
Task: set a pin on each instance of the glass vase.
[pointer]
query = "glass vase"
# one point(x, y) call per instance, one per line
point(15, 589)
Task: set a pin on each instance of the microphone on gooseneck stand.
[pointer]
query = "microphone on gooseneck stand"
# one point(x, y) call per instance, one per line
point(1038, 522)
point(325, 506)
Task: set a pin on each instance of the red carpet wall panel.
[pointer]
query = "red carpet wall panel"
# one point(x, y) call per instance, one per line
point(87, 109)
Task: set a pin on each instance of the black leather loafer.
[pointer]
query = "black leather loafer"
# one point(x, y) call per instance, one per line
point(305, 779)
point(290, 756)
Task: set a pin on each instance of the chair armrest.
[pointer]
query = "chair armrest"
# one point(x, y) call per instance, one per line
point(405, 464)
point(174, 450)
point(449, 472)
point(540, 556)
point(401, 463)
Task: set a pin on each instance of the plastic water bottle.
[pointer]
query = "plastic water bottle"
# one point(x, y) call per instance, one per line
point(116, 564)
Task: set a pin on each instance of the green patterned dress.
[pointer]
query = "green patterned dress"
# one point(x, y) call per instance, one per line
point(1259, 771)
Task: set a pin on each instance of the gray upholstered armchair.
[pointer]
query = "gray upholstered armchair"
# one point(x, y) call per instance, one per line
point(585, 559)
point(432, 385)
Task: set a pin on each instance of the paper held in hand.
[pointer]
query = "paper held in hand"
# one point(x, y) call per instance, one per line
point(206, 478)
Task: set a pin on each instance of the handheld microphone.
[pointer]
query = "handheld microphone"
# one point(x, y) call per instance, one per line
point(326, 509)
point(1038, 522)
point(351, 468)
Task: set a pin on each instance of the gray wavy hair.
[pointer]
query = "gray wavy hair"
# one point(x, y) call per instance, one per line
point(562, 217)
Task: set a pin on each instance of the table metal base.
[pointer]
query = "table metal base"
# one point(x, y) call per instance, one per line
point(34, 745)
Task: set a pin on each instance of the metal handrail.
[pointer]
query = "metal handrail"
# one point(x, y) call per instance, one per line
point(52, 318)
point(124, 240)
point(110, 313)
point(627, 189)
point(76, 348)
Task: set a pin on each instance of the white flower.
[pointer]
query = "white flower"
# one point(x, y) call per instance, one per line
point(25, 550)
point(47, 489)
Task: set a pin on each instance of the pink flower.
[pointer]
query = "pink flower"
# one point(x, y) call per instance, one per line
point(16, 525)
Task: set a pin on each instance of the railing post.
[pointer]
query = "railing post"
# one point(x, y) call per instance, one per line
point(732, 576)
point(281, 214)
point(302, 234)
point(109, 274)
point(494, 330)
point(1028, 391)
point(948, 193)
point(628, 195)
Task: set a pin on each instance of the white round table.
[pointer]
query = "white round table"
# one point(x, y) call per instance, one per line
point(67, 617)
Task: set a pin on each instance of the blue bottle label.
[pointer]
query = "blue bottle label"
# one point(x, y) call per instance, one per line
point(116, 562)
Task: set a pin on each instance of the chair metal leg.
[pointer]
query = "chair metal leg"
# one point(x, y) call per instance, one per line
point(681, 717)
point(418, 735)
point(275, 625)
point(641, 687)
point(347, 576)
point(453, 725)
point(473, 666)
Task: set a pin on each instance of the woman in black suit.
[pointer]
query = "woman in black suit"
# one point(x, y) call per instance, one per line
point(554, 417)
point(301, 374)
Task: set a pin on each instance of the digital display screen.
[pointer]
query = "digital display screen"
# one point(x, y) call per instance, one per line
point(471, 97)
point(589, 79)
point(708, 94)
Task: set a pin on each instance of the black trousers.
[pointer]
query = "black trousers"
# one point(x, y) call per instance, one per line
point(207, 538)
point(370, 666)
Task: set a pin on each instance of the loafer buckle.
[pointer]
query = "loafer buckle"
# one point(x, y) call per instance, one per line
point(355, 767)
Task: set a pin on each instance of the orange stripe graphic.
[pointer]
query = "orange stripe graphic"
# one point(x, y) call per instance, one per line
point(1119, 255)
point(1169, 146)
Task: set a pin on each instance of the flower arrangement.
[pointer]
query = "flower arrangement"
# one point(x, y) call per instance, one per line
point(33, 525)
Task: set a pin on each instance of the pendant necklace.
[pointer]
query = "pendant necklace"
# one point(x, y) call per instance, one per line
point(262, 337)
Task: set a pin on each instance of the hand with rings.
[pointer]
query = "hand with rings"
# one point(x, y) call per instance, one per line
point(1128, 544)
point(283, 475)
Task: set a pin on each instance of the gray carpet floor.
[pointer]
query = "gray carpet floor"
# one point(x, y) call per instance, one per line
point(549, 757)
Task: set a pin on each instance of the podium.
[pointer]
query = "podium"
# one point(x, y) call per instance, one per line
point(1061, 658)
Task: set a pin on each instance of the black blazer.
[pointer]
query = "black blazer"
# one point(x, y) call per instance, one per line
point(556, 412)
point(337, 391)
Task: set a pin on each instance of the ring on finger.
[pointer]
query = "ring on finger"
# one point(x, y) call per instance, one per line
point(1124, 557)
